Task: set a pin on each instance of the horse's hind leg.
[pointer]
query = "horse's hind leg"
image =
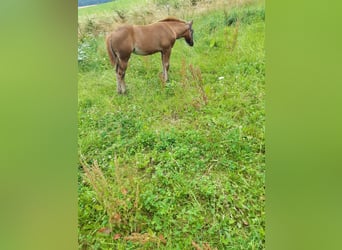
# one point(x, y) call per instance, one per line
point(120, 76)
point(118, 79)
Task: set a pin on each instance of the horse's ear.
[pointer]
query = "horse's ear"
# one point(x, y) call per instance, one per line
point(190, 23)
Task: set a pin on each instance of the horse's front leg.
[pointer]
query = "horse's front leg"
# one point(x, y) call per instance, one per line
point(165, 60)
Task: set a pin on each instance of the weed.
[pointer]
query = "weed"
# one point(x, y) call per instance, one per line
point(198, 80)
point(231, 39)
point(246, 15)
point(121, 14)
point(91, 56)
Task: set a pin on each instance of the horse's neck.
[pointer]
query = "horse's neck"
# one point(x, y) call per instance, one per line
point(178, 28)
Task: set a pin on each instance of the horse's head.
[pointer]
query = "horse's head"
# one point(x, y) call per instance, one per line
point(189, 34)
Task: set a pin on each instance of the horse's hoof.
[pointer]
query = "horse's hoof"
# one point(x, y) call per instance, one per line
point(122, 92)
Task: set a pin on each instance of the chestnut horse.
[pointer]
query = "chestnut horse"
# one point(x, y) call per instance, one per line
point(145, 40)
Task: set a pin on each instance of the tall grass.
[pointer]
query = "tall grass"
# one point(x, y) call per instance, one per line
point(180, 166)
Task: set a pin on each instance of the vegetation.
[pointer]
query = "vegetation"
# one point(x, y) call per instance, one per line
point(180, 166)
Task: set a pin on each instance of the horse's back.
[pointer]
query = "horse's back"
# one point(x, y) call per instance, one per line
point(152, 38)
point(123, 34)
point(142, 39)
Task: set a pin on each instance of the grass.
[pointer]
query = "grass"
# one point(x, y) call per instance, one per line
point(180, 166)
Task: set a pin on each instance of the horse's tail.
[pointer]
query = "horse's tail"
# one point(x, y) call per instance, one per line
point(112, 56)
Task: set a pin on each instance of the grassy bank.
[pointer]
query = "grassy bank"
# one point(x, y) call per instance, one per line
point(180, 166)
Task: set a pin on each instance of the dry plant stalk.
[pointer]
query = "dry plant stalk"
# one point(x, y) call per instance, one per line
point(183, 71)
point(119, 196)
point(104, 192)
point(234, 37)
point(232, 41)
point(197, 76)
point(206, 246)
point(96, 179)
point(145, 238)
point(196, 246)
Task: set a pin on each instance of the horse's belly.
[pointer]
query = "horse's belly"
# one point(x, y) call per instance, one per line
point(142, 52)
point(139, 52)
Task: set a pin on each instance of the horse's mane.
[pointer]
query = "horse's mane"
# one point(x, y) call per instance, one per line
point(171, 19)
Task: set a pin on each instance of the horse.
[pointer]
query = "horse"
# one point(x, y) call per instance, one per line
point(145, 40)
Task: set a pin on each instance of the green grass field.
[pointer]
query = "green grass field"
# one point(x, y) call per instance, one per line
point(180, 166)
